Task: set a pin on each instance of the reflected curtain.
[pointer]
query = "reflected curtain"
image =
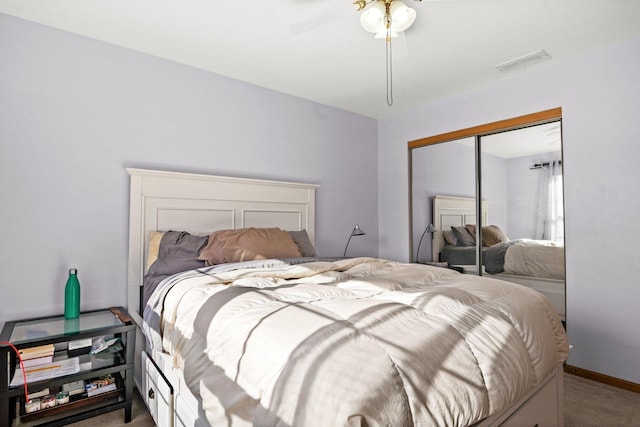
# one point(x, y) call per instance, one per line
point(550, 221)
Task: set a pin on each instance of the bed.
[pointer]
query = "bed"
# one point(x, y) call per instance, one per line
point(347, 341)
point(537, 264)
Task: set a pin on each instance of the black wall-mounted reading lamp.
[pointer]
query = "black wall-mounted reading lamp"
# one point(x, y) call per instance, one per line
point(357, 231)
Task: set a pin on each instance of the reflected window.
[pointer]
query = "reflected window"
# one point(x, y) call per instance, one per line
point(551, 213)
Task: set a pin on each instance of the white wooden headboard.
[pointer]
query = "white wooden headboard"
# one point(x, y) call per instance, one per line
point(162, 201)
point(450, 212)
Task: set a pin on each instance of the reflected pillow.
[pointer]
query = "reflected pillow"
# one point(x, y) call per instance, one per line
point(471, 228)
point(463, 237)
point(449, 237)
point(492, 235)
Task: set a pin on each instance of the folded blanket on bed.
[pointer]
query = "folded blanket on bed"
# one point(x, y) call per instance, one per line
point(353, 342)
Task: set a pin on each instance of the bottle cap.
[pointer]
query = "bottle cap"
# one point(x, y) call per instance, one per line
point(73, 271)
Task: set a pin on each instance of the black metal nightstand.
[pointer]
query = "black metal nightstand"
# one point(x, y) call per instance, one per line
point(56, 330)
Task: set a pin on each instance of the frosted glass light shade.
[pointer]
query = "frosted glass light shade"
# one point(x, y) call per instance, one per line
point(373, 19)
point(402, 16)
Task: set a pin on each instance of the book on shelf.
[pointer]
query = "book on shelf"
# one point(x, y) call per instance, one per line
point(37, 352)
point(78, 347)
point(46, 371)
point(100, 385)
point(37, 361)
point(73, 388)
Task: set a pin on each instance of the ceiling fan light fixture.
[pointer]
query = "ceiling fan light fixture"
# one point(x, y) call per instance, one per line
point(372, 19)
point(386, 18)
point(359, 4)
point(402, 16)
point(383, 34)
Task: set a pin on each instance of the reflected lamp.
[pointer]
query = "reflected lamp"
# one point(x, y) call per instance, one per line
point(430, 229)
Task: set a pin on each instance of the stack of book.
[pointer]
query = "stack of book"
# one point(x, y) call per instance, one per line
point(100, 385)
point(74, 388)
point(40, 355)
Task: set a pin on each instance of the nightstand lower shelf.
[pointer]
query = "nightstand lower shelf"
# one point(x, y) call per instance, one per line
point(78, 404)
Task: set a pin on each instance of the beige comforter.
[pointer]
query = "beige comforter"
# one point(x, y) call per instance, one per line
point(362, 342)
point(535, 258)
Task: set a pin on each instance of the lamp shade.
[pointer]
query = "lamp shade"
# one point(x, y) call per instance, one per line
point(357, 231)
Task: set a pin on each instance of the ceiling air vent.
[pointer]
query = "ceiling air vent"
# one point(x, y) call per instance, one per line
point(523, 61)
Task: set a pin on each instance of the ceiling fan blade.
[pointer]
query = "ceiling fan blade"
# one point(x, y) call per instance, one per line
point(315, 21)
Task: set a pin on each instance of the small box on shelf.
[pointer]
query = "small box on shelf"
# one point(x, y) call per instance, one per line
point(100, 385)
point(73, 388)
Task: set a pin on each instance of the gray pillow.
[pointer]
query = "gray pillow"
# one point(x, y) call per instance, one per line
point(178, 252)
point(463, 237)
point(449, 237)
point(302, 241)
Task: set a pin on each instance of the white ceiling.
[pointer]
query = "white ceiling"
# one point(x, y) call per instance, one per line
point(317, 50)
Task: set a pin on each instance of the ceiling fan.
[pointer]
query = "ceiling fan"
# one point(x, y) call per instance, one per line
point(387, 19)
point(372, 13)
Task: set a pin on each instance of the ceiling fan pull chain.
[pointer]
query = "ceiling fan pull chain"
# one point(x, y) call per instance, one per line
point(389, 60)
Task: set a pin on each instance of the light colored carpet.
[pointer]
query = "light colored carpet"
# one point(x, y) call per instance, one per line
point(586, 403)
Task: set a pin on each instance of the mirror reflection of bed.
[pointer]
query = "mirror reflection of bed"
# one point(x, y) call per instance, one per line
point(522, 211)
point(538, 264)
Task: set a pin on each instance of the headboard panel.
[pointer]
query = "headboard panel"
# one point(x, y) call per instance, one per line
point(450, 212)
point(161, 201)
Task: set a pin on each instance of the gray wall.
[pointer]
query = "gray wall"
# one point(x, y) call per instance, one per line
point(600, 99)
point(74, 113)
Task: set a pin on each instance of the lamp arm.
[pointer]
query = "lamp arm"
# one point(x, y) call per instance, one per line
point(347, 245)
point(420, 243)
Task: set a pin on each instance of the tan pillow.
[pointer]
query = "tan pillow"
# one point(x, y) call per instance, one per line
point(247, 244)
point(155, 237)
point(492, 235)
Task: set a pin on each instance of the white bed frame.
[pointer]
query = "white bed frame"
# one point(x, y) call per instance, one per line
point(162, 201)
point(451, 211)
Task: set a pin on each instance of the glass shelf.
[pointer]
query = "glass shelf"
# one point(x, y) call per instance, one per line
point(58, 326)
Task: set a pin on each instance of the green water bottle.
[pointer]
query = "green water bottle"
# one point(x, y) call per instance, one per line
point(72, 295)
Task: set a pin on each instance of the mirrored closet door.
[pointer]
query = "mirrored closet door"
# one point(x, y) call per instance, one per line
point(508, 174)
